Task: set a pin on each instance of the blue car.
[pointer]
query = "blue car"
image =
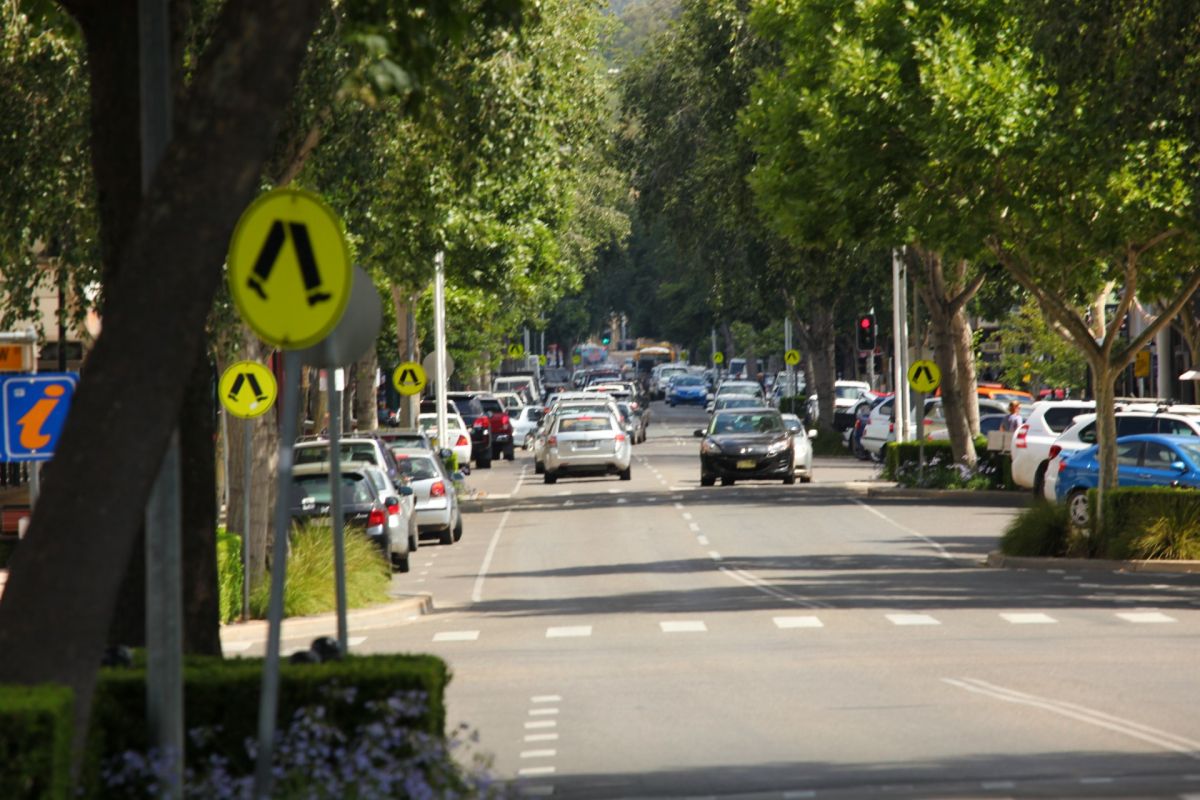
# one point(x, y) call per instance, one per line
point(1148, 459)
point(688, 390)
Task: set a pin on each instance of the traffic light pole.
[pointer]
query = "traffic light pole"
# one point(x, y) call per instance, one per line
point(871, 354)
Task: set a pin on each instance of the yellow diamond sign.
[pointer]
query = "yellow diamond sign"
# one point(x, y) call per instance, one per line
point(247, 389)
point(289, 268)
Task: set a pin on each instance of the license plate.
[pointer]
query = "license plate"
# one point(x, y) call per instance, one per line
point(585, 446)
point(745, 464)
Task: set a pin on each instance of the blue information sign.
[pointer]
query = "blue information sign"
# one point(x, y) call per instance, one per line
point(34, 408)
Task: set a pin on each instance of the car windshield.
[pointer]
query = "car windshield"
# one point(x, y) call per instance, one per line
point(584, 424)
point(428, 424)
point(741, 388)
point(319, 454)
point(689, 380)
point(847, 392)
point(417, 468)
point(354, 488)
point(764, 422)
point(793, 423)
point(1191, 450)
point(737, 402)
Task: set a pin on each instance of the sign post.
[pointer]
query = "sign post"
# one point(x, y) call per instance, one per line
point(439, 330)
point(924, 377)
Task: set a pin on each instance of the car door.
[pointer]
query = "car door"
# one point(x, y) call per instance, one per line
point(1159, 466)
point(1129, 464)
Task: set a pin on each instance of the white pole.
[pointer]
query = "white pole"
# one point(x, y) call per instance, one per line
point(439, 333)
point(900, 345)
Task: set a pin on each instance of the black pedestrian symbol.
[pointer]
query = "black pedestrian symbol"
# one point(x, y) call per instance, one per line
point(269, 254)
point(923, 370)
point(409, 378)
point(242, 379)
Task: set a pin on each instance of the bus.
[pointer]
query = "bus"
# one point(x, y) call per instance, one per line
point(651, 354)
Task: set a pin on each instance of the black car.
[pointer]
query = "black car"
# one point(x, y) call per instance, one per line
point(746, 443)
point(476, 418)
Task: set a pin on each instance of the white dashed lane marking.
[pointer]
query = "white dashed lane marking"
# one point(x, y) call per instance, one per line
point(911, 619)
point(693, 527)
point(1029, 618)
point(702, 541)
point(538, 753)
point(1145, 617)
point(546, 698)
point(568, 631)
point(683, 626)
point(783, 623)
point(541, 737)
point(530, 771)
point(541, 723)
point(456, 636)
point(543, 712)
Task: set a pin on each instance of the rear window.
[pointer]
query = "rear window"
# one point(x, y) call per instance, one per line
point(416, 468)
point(766, 422)
point(584, 424)
point(1059, 419)
point(491, 405)
point(354, 488)
point(1175, 427)
point(319, 454)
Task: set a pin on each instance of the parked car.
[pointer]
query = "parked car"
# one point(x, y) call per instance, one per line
point(501, 426)
point(1142, 460)
point(587, 443)
point(846, 397)
point(478, 422)
point(525, 423)
point(690, 390)
point(370, 501)
point(1082, 434)
point(511, 401)
point(394, 437)
point(935, 416)
point(359, 447)
point(1031, 442)
point(458, 438)
point(802, 463)
point(435, 493)
point(525, 385)
point(746, 443)
point(637, 421)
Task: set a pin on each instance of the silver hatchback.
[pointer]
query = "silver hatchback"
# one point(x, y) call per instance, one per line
point(587, 443)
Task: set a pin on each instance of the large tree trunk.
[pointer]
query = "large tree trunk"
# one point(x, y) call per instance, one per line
point(403, 302)
point(968, 386)
point(366, 408)
point(64, 579)
point(945, 354)
point(820, 339)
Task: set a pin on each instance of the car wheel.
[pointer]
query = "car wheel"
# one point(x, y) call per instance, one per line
point(707, 480)
point(482, 463)
point(727, 481)
point(1039, 480)
point(539, 468)
point(414, 534)
point(807, 478)
point(549, 477)
point(446, 536)
point(789, 479)
point(458, 529)
point(509, 454)
point(1077, 508)
point(859, 451)
point(626, 474)
point(400, 563)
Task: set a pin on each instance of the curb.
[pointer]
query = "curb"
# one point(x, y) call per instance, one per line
point(968, 497)
point(998, 559)
point(383, 616)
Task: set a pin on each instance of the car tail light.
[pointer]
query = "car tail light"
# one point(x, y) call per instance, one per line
point(504, 420)
point(1062, 466)
point(462, 440)
point(620, 437)
point(437, 490)
point(891, 427)
point(1019, 437)
point(1055, 449)
point(393, 510)
point(552, 441)
point(480, 422)
point(376, 517)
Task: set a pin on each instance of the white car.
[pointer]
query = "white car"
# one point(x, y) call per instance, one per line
point(510, 400)
point(525, 423)
point(801, 446)
point(1082, 433)
point(458, 438)
point(587, 443)
point(846, 397)
point(1046, 420)
point(434, 493)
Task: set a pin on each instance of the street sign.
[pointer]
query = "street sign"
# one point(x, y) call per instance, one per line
point(409, 378)
point(12, 357)
point(718, 357)
point(924, 376)
point(34, 408)
point(1141, 364)
point(289, 268)
point(576, 359)
point(791, 358)
point(429, 364)
point(516, 350)
point(542, 360)
point(247, 389)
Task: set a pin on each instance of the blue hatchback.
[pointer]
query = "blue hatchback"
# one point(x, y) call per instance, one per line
point(688, 390)
point(1148, 459)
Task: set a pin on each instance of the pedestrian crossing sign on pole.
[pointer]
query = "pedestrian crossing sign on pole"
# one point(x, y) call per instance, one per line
point(791, 358)
point(516, 350)
point(247, 389)
point(289, 268)
point(409, 378)
point(924, 376)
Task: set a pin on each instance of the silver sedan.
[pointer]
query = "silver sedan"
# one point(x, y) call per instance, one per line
point(587, 443)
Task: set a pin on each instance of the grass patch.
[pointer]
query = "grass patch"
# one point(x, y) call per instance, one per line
point(309, 587)
point(229, 574)
point(1174, 535)
point(1043, 529)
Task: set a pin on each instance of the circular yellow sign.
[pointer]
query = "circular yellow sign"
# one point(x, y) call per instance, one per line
point(409, 378)
point(718, 357)
point(289, 268)
point(576, 359)
point(924, 376)
point(516, 350)
point(247, 389)
point(542, 360)
point(791, 358)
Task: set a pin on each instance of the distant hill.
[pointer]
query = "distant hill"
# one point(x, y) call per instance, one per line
point(639, 21)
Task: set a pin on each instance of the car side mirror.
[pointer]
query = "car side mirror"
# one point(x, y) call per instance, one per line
point(812, 434)
point(458, 477)
point(1179, 466)
point(698, 433)
point(406, 491)
point(393, 501)
point(445, 453)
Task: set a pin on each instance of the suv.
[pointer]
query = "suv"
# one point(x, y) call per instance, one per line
point(500, 424)
point(1083, 434)
point(1031, 442)
point(471, 410)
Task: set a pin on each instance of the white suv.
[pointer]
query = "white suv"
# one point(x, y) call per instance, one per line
point(1083, 434)
point(1031, 442)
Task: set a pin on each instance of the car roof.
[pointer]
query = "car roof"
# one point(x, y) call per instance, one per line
point(413, 452)
point(323, 468)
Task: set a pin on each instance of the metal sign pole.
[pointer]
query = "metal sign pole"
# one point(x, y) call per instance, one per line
point(335, 505)
point(268, 707)
point(439, 328)
point(247, 460)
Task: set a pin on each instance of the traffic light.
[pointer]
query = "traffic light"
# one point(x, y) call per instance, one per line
point(605, 339)
point(866, 332)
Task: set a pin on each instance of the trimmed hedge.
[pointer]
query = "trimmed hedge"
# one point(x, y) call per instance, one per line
point(35, 741)
point(222, 696)
point(1129, 512)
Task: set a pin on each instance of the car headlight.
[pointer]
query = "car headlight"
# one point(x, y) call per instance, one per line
point(710, 448)
point(778, 447)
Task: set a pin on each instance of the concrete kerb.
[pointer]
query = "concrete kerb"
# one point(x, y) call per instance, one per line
point(966, 497)
point(999, 560)
point(360, 619)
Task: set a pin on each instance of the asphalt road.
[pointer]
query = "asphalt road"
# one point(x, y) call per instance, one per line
point(653, 638)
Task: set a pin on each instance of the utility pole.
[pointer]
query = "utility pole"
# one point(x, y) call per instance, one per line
point(900, 339)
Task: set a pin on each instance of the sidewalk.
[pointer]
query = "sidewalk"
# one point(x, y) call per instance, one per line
point(399, 612)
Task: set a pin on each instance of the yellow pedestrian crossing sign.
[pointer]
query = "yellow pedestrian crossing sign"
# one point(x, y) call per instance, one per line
point(516, 350)
point(791, 358)
point(576, 359)
point(247, 389)
point(289, 268)
point(924, 376)
point(409, 378)
point(541, 361)
point(718, 357)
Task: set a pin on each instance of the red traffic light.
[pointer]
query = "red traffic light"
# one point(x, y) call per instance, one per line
point(864, 323)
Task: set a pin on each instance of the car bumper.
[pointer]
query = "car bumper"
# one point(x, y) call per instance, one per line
point(434, 516)
point(579, 463)
point(688, 401)
point(749, 467)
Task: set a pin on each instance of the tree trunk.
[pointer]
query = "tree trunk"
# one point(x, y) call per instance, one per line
point(197, 432)
point(727, 335)
point(968, 386)
point(821, 342)
point(366, 407)
point(941, 329)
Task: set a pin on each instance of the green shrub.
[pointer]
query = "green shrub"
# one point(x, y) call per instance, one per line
point(222, 698)
point(902, 463)
point(309, 587)
point(1148, 522)
point(229, 574)
point(1043, 529)
point(828, 443)
point(797, 404)
point(35, 742)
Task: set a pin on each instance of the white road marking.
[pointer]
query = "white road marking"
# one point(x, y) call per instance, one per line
point(355, 641)
point(621, 500)
point(520, 480)
point(568, 503)
point(912, 619)
point(682, 488)
point(424, 573)
point(798, 622)
point(1145, 616)
point(236, 647)
point(1055, 571)
point(456, 636)
point(1092, 781)
point(1030, 618)
point(714, 555)
point(568, 631)
point(546, 698)
point(536, 771)
point(541, 723)
point(538, 753)
point(755, 582)
point(564, 492)
point(693, 527)
point(1089, 586)
point(687, 515)
point(427, 564)
point(683, 626)
point(541, 737)
point(477, 592)
point(543, 712)
point(799, 794)
point(702, 541)
point(941, 551)
point(1072, 577)
point(1090, 716)
point(679, 506)
point(612, 491)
